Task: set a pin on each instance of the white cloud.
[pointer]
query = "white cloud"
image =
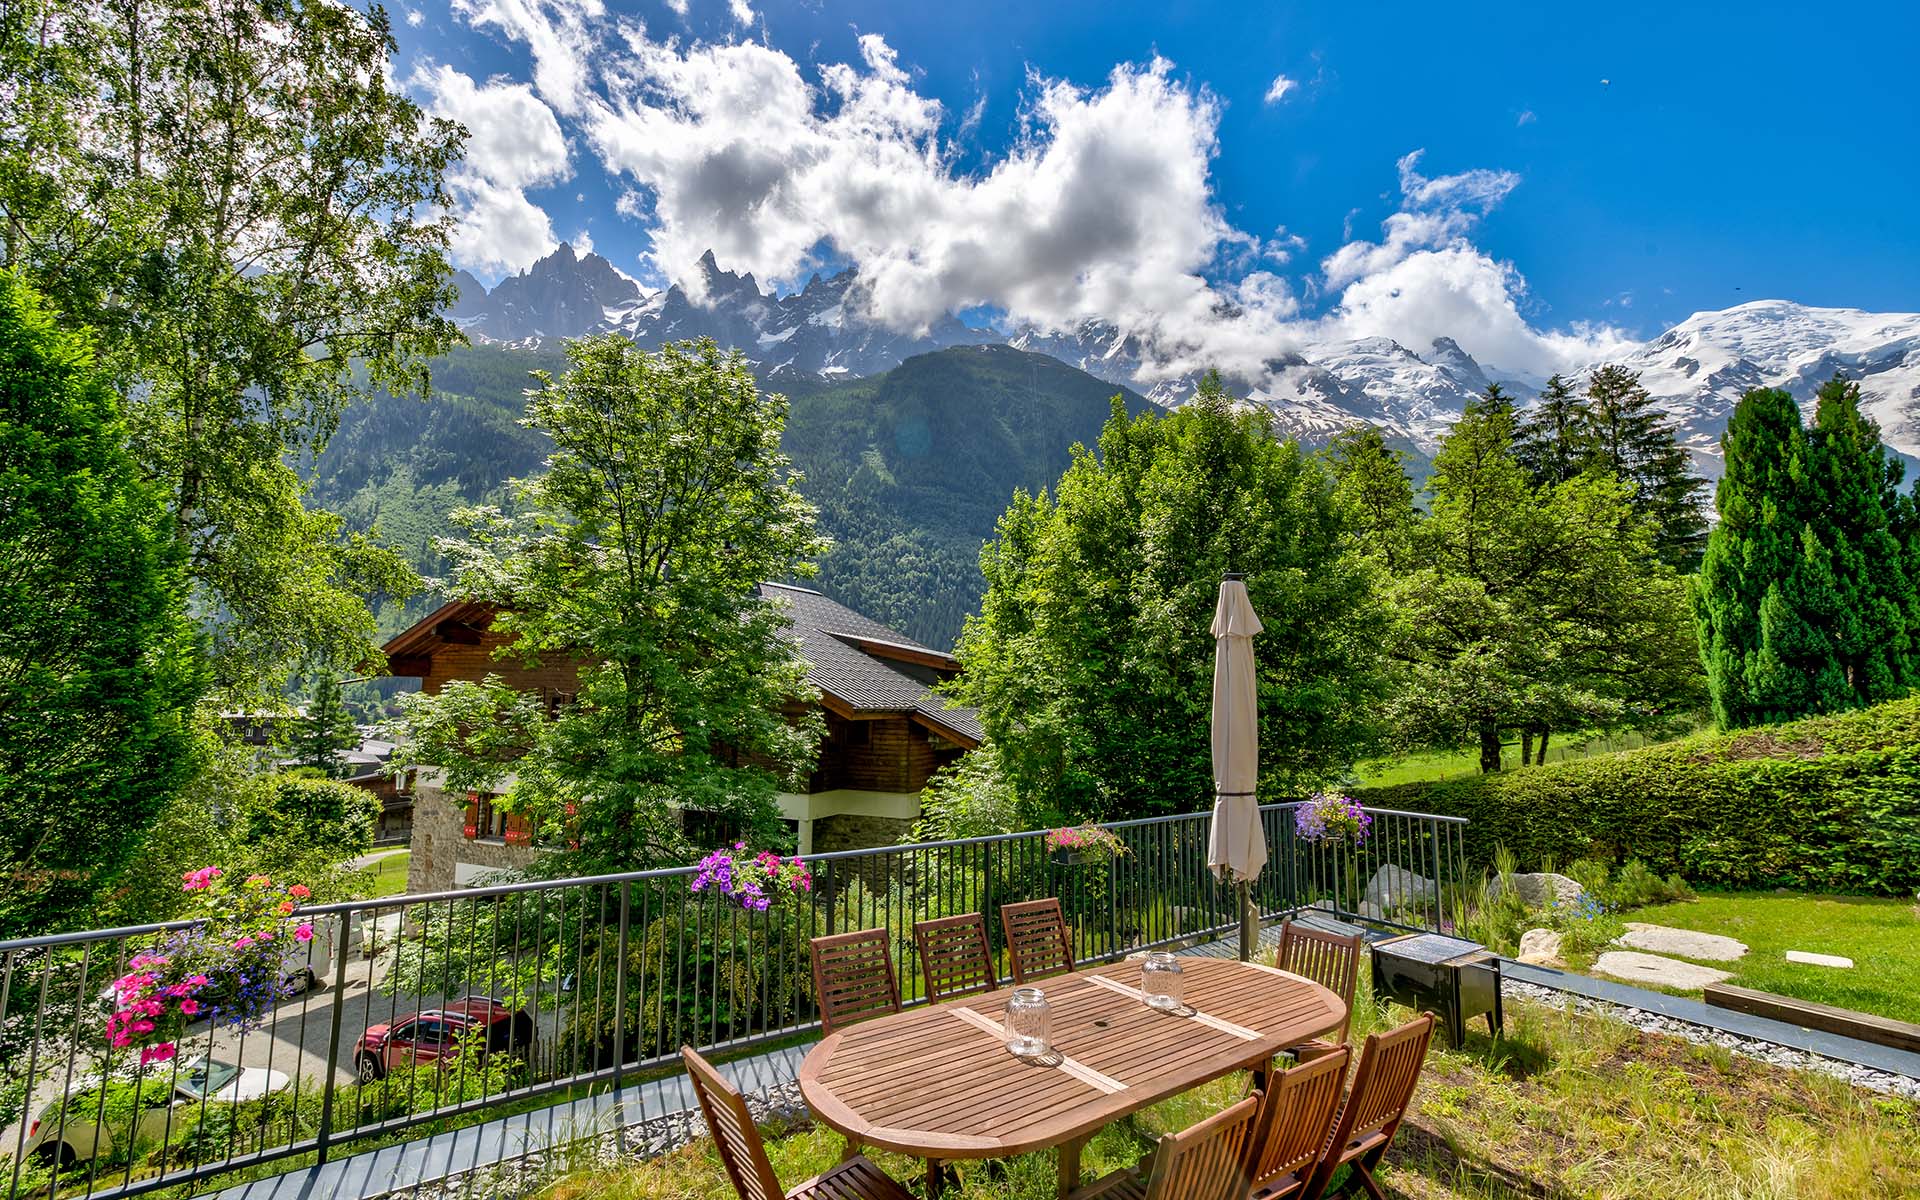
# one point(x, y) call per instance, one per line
point(514, 143)
point(416, 18)
point(741, 10)
point(1526, 117)
point(1278, 90)
point(678, 7)
point(1101, 207)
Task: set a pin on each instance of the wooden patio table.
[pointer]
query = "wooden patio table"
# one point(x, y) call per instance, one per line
point(937, 1082)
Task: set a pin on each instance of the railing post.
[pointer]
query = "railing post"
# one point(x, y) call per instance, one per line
point(341, 943)
point(620, 988)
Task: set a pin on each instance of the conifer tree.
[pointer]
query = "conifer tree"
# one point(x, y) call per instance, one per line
point(327, 729)
point(1627, 435)
point(1550, 443)
point(1855, 489)
point(1764, 591)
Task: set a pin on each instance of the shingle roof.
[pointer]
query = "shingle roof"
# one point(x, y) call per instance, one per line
point(839, 667)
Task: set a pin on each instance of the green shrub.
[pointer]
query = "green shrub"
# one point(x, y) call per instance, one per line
point(1831, 803)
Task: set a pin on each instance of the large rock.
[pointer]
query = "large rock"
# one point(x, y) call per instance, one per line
point(1394, 886)
point(1540, 889)
point(1540, 947)
point(1687, 943)
point(1653, 970)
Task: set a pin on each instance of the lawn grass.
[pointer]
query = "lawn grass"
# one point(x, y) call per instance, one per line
point(389, 875)
point(1881, 936)
point(1561, 1106)
point(1430, 766)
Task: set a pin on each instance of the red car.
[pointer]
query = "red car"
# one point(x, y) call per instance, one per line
point(434, 1035)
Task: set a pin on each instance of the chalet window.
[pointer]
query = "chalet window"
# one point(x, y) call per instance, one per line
point(486, 821)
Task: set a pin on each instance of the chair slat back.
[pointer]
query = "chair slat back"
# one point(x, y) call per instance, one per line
point(1294, 1122)
point(853, 977)
point(1206, 1161)
point(1330, 960)
point(741, 1151)
point(1383, 1084)
point(1037, 941)
point(954, 958)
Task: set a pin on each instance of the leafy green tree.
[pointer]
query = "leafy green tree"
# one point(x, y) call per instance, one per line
point(665, 503)
point(1372, 487)
point(296, 828)
point(251, 213)
point(1629, 437)
point(99, 665)
point(1550, 443)
point(1091, 660)
point(326, 730)
point(1532, 608)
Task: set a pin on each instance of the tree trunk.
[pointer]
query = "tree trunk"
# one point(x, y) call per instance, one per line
point(1542, 750)
point(1526, 747)
point(1489, 748)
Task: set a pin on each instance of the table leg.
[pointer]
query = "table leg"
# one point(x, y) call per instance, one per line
point(1070, 1166)
point(849, 1149)
point(934, 1179)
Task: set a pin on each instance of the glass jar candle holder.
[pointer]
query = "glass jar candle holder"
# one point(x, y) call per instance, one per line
point(1029, 1023)
point(1162, 982)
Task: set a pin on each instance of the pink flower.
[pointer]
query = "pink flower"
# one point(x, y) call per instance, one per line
point(303, 934)
point(258, 881)
point(158, 1052)
point(189, 1007)
point(299, 891)
point(286, 908)
point(195, 981)
point(243, 943)
point(141, 1027)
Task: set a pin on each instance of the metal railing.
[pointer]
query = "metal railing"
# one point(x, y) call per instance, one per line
point(509, 997)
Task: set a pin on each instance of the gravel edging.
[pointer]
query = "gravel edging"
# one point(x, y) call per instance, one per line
point(1772, 1054)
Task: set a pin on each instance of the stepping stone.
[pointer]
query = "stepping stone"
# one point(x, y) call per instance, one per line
point(1818, 960)
point(1661, 972)
point(1687, 943)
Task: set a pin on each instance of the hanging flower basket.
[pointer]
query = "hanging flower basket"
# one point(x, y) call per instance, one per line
point(1084, 845)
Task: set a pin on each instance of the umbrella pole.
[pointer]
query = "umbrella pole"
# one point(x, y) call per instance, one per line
point(1249, 924)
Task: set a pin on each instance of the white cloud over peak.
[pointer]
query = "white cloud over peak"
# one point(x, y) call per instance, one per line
point(1277, 91)
point(1102, 206)
point(514, 143)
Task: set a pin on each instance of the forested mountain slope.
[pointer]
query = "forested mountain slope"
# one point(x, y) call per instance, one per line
point(910, 467)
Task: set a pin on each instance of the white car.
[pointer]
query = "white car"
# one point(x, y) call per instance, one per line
point(83, 1135)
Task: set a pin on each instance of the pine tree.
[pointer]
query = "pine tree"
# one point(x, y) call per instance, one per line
point(1626, 434)
point(327, 729)
point(1551, 441)
point(1764, 587)
point(1855, 489)
point(1373, 489)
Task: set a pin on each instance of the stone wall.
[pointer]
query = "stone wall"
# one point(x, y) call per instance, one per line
point(441, 847)
point(849, 832)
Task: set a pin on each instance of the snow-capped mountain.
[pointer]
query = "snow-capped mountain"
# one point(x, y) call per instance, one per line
point(1699, 369)
point(819, 330)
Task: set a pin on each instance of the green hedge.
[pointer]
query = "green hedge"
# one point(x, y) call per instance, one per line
point(1831, 803)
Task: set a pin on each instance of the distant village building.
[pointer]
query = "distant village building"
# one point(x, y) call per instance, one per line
point(886, 734)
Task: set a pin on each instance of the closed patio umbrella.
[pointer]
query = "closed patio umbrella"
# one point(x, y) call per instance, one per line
point(1237, 848)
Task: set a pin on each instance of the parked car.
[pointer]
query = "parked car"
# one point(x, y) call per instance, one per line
point(82, 1134)
point(434, 1035)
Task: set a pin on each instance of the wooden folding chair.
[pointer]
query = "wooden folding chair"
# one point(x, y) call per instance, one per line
point(1383, 1084)
point(954, 957)
point(1207, 1161)
point(1037, 941)
point(1330, 960)
point(1294, 1124)
point(853, 978)
point(745, 1156)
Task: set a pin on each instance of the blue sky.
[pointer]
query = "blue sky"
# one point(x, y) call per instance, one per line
point(1584, 174)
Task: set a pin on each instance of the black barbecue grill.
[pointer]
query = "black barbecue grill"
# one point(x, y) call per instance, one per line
point(1451, 977)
